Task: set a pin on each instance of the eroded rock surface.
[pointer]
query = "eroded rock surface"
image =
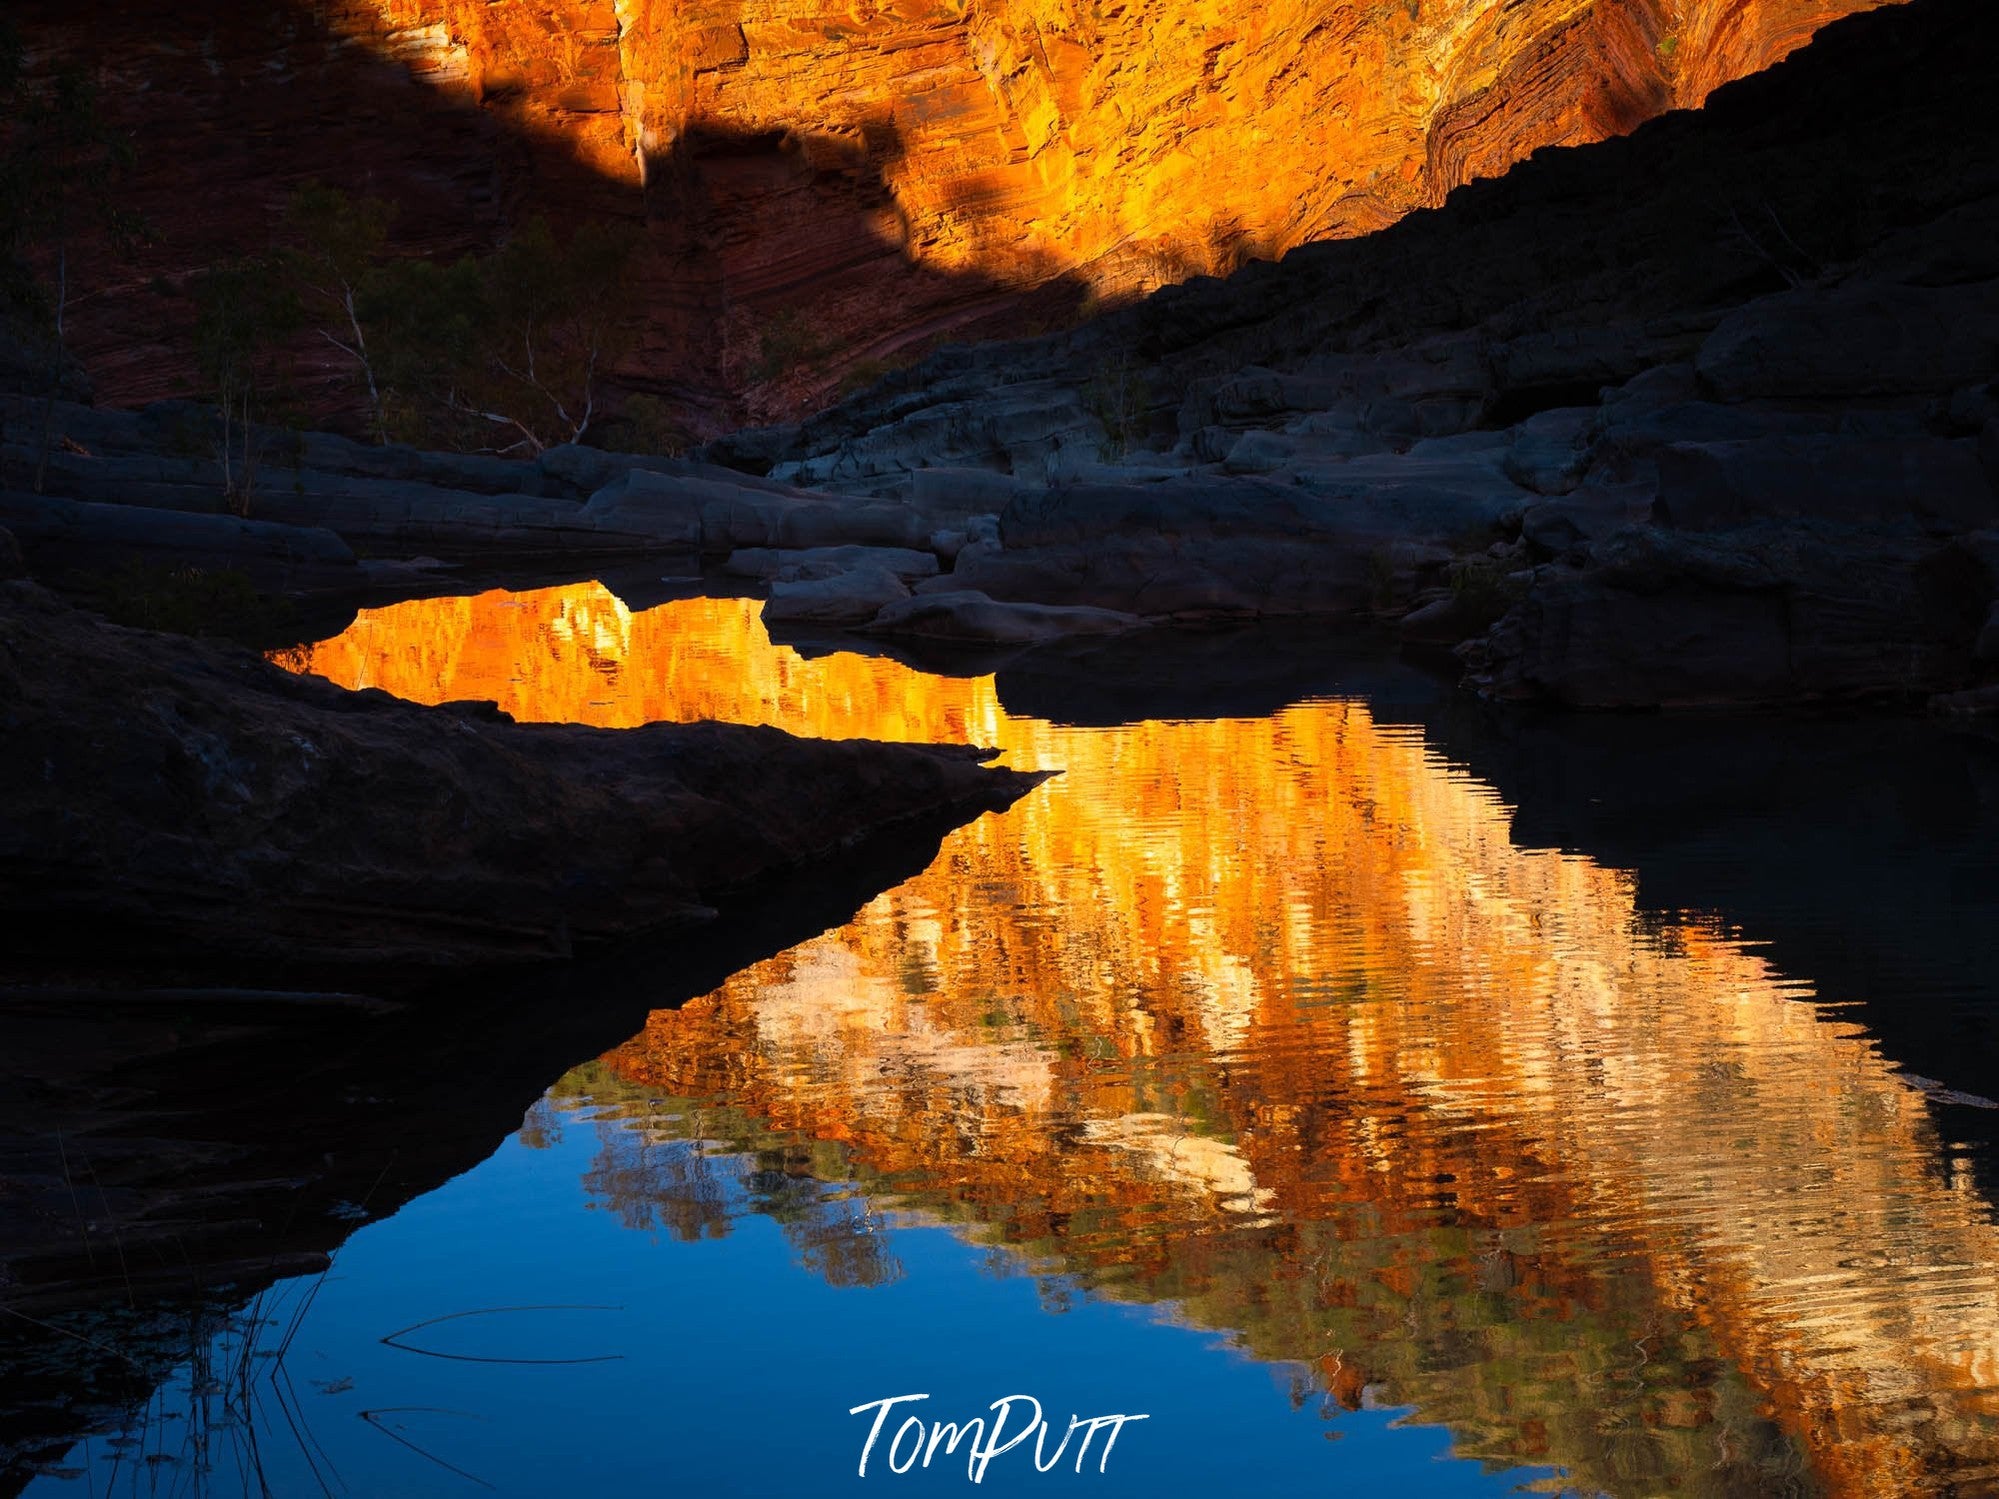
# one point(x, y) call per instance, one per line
point(1738, 364)
point(1703, 414)
point(182, 797)
point(828, 186)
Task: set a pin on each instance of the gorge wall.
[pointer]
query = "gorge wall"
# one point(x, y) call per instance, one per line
point(833, 185)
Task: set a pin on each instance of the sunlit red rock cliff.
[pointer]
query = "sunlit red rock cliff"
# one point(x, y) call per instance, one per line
point(833, 184)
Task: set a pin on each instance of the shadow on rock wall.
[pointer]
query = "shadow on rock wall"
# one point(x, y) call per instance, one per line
point(772, 270)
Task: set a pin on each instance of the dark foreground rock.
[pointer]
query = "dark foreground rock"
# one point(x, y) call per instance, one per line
point(166, 796)
point(168, 1152)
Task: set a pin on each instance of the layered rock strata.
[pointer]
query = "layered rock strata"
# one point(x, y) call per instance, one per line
point(831, 186)
point(1702, 414)
point(1706, 414)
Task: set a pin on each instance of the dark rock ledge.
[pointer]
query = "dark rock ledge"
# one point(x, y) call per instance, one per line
point(1701, 416)
point(171, 796)
point(1704, 415)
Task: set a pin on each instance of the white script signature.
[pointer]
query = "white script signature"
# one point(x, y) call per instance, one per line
point(918, 1439)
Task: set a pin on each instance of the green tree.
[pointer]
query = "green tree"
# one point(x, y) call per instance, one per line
point(338, 267)
point(17, 281)
point(60, 166)
point(532, 328)
point(247, 315)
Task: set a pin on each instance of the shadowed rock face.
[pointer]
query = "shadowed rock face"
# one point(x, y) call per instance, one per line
point(226, 1138)
point(186, 799)
point(825, 186)
point(1700, 415)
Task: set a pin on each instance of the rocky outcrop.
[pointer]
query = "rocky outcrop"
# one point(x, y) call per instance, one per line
point(1722, 364)
point(853, 596)
point(1770, 613)
point(826, 189)
point(967, 616)
point(1706, 414)
point(181, 798)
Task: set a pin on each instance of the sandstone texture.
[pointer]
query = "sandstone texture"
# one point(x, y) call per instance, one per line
point(177, 796)
point(831, 186)
point(1703, 414)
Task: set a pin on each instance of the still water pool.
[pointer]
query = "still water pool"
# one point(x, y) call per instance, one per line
point(1248, 1076)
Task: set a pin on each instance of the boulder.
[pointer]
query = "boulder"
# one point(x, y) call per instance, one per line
point(1593, 512)
point(1861, 340)
point(974, 618)
point(572, 468)
point(1760, 615)
point(1972, 702)
point(74, 538)
point(653, 504)
point(1935, 484)
point(1985, 650)
point(851, 522)
point(844, 598)
point(950, 494)
point(1571, 365)
point(1625, 440)
point(766, 563)
point(1548, 452)
point(1159, 577)
point(1259, 452)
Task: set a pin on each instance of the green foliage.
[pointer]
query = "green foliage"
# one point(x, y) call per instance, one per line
point(1119, 395)
point(787, 341)
point(645, 424)
point(864, 374)
point(339, 274)
point(247, 313)
point(221, 603)
point(502, 352)
point(60, 166)
point(1381, 578)
point(1484, 589)
point(546, 322)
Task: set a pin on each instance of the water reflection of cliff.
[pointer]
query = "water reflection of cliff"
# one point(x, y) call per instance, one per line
point(1269, 1020)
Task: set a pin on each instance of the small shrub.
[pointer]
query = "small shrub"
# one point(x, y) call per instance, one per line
point(1484, 589)
point(181, 600)
point(1381, 570)
point(862, 375)
point(1118, 395)
point(787, 341)
point(647, 424)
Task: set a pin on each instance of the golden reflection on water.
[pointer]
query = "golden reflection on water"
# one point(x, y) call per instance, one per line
point(1268, 1020)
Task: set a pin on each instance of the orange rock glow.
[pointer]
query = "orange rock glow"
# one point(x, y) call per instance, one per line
point(1270, 1021)
point(846, 181)
point(1128, 143)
